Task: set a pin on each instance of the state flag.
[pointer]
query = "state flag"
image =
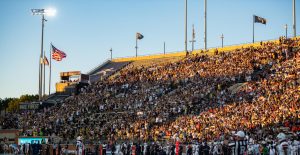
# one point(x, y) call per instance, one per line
point(45, 61)
point(139, 36)
point(258, 19)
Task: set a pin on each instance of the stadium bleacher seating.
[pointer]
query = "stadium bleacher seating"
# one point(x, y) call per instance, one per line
point(189, 98)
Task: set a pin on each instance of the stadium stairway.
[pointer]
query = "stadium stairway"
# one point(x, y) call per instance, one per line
point(106, 69)
point(55, 98)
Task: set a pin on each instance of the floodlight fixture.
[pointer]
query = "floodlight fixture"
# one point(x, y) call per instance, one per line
point(47, 12)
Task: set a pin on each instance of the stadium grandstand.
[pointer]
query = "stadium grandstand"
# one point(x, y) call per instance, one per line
point(199, 99)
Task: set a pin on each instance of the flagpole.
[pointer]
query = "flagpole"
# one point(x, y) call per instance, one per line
point(41, 65)
point(50, 69)
point(294, 17)
point(44, 75)
point(164, 47)
point(193, 38)
point(185, 24)
point(111, 53)
point(205, 24)
point(136, 46)
point(253, 30)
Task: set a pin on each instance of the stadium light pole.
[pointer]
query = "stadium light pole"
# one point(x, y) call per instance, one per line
point(42, 12)
point(294, 17)
point(285, 26)
point(110, 53)
point(185, 27)
point(164, 47)
point(205, 24)
point(193, 38)
point(222, 37)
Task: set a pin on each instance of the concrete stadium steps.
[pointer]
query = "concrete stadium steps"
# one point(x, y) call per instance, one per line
point(106, 69)
point(56, 98)
point(236, 87)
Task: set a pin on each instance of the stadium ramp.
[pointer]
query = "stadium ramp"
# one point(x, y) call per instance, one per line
point(106, 69)
point(55, 98)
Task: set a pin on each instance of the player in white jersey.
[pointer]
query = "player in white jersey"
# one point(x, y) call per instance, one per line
point(166, 148)
point(217, 148)
point(79, 146)
point(295, 148)
point(118, 149)
point(27, 145)
point(5, 148)
point(145, 148)
point(272, 150)
point(256, 148)
point(14, 147)
point(21, 149)
point(195, 149)
point(283, 148)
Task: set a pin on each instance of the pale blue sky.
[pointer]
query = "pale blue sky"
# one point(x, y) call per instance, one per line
point(87, 29)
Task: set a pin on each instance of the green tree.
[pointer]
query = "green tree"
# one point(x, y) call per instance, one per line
point(28, 98)
point(13, 103)
point(4, 103)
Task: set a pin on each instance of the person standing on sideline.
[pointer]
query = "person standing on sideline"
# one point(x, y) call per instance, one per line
point(79, 146)
point(54, 148)
point(283, 147)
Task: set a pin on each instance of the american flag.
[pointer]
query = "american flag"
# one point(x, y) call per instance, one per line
point(57, 54)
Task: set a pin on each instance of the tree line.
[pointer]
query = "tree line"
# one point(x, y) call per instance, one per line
point(12, 104)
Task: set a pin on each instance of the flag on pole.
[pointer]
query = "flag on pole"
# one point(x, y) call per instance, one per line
point(57, 54)
point(139, 36)
point(41, 60)
point(45, 61)
point(258, 19)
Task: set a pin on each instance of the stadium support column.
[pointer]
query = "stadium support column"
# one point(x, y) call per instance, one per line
point(185, 27)
point(205, 24)
point(294, 17)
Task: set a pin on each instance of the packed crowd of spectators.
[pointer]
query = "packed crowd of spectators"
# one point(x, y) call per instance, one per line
point(9, 121)
point(201, 97)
